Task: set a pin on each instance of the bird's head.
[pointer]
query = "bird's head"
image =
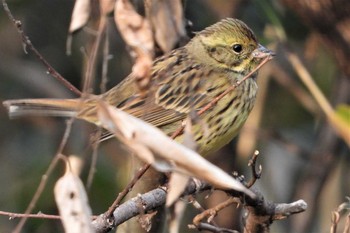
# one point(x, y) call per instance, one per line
point(231, 44)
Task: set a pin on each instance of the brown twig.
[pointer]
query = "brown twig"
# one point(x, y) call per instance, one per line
point(90, 70)
point(105, 60)
point(28, 44)
point(260, 213)
point(103, 84)
point(207, 227)
point(91, 64)
point(198, 206)
point(212, 212)
point(38, 215)
point(92, 167)
point(126, 190)
point(336, 215)
point(340, 127)
point(150, 201)
point(256, 174)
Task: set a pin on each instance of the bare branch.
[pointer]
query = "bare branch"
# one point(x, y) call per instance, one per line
point(212, 212)
point(38, 215)
point(256, 174)
point(261, 213)
point(28, 44)
point(211, 228)
point(148, 201)
point(127, 189)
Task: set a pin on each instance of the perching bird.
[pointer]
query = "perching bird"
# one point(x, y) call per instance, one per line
point(182, 81)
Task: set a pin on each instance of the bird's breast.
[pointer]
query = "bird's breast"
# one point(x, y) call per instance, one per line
point(221, 123)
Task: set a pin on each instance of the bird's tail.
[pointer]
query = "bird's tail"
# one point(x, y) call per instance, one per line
point(42, 107)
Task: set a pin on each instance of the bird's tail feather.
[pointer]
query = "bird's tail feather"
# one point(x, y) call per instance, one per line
point(42, 107)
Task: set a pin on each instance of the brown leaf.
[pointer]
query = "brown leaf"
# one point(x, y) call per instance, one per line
point(167, 21)
point(145, 220)
point(72, 203)
point(137, 33)
point(80, 15)
point(107, 6)
point(177, 185)
point(176, 215)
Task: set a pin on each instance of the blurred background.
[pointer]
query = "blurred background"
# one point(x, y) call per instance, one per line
point(301, 154)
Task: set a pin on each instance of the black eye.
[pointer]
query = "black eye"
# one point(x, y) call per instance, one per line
point(237, 48)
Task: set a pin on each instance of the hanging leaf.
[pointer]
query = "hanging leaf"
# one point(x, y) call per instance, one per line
point(80, 15)
point(137, 33)
point(72, 203)
point(107, 6)
point(167, 21)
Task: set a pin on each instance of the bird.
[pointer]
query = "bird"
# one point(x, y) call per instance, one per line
point(182, 81)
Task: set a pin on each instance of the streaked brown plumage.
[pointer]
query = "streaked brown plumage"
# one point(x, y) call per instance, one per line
point(184, 80)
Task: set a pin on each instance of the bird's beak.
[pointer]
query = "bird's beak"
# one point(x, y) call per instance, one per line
point(262, 52)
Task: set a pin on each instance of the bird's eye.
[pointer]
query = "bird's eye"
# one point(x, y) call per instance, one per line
point(237, 48)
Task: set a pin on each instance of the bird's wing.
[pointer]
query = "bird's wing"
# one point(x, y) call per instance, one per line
point(179, 85)
point(171, 100)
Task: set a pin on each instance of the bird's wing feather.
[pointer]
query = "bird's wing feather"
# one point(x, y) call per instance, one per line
point(179, 84)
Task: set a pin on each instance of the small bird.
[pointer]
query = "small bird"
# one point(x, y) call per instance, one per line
point(182, 81)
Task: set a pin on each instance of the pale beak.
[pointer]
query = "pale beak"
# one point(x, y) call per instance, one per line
point(262, 52)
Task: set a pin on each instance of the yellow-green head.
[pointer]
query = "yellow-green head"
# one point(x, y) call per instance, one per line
point(229, 44)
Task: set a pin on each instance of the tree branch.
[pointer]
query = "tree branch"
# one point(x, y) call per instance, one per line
point(28, 44)
point(258, 217)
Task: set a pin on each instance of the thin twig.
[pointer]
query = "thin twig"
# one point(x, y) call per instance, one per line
point(207, 227)
point(340, 127)
point(198, 206)
point(90, 71)
point(45, 177)
point(150, 201)
point(39, 215)
point(91, 64)
point(104, 80)
point(94, 156)
point(256, 174)
point(127, 189)
point(28, 44)
point(106, 58)
point(212, 212)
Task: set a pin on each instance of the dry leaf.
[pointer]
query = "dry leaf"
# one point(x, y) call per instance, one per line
point(72, 203)
point(137, 33)
point(145, 220)
point(167, 153)
point(134, 29)
point(80, 15)
point(189, 140)
point(107, 6)
point(167, 21)
point(76, 164)
point(177, 185)
point(176, 216)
